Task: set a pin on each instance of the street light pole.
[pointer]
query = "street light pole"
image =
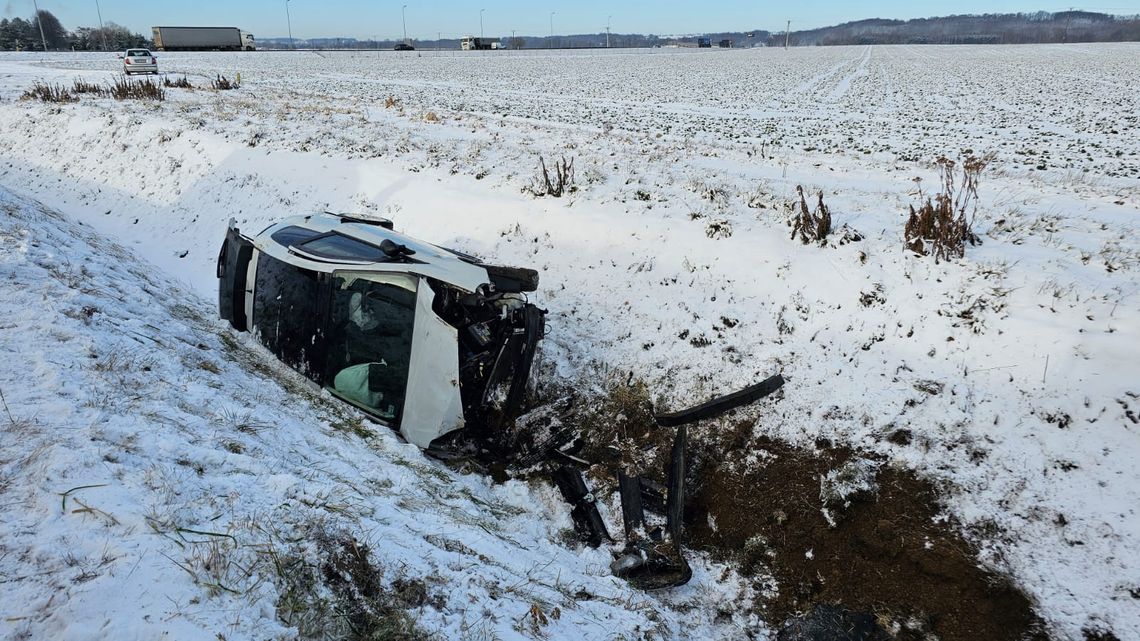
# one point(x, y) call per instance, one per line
point(552, 28)
point(102, 31)
point(481, 26)
point(289, 21)
point(404, 19)
point(788, 34)
point(41, 24)
point(608, 20)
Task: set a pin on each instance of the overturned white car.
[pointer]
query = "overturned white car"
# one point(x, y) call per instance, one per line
point(424, 339)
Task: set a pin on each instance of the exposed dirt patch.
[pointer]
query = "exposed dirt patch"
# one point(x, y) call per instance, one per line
point(826, 525)
point(892, 552)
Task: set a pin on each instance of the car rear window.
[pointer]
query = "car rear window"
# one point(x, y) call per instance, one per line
point(138, 52)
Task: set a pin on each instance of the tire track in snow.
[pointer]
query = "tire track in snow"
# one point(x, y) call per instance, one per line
point(810, 85)
point(844, 85)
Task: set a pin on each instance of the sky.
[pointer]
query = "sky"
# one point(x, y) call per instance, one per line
point(366, 19)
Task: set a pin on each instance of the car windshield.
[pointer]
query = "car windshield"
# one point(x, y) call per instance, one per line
point(370, 341)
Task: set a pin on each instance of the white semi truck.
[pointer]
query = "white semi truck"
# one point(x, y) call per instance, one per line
point(202, 39)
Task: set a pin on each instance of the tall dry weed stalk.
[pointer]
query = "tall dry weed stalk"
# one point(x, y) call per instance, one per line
point(560, 183)
point(222, 83)
point(127, 89)
point(82, 86)
point(811, 226)
point(48, 93)
point(941, 227)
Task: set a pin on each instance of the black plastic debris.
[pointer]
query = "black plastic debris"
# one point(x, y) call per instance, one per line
point(832, 623)
point(588, 521)
point(722, 404)
point(653, 560)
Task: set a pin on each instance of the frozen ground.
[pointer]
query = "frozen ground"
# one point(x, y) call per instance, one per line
point(671, 261)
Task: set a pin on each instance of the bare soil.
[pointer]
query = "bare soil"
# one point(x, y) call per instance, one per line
point(893, 553)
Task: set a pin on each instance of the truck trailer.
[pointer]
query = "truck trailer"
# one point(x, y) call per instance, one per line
point(202, 39)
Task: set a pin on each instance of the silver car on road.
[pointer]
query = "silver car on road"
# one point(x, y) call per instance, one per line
point(139, 61)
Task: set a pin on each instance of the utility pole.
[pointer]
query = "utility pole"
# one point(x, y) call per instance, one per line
point(788, 34)
point(481, 26)
point(41, 24)
point(404, 19)
point(289, 21)
point(552, 28)
point(438, 40)
point(102, 31)
point(608, 31)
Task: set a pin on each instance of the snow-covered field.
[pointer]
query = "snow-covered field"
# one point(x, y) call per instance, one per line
point(1014, 371)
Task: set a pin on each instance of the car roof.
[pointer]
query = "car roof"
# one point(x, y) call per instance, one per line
point(433, 261)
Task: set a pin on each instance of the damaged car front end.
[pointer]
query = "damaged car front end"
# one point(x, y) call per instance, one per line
point(423, 339)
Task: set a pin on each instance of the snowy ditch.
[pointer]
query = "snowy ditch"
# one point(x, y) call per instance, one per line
point(1002, 379)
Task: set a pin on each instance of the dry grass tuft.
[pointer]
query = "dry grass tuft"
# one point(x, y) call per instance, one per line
point(941, 227)
point(562, 182)
point(81, 86)
point(342, 595)
point(811, 226)
point(181, 83)
point(48, 93)
point(128, 89)
point(222, 83)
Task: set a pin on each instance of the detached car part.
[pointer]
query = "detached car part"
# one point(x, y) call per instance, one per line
point(424, 339)
point(722, 404)
point(588, 521)
point(653, 560)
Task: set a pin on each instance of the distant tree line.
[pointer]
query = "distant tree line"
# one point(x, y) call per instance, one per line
point(995, 28)
point(19, 34)
point(1006, 28)
point(576, 41)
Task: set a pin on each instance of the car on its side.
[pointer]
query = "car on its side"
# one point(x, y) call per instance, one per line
point(139, 61)
point(424, 339)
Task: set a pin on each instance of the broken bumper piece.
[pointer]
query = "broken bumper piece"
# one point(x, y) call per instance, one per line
point(655, 562)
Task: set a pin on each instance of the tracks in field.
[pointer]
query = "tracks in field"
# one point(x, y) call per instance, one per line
point(839, 78)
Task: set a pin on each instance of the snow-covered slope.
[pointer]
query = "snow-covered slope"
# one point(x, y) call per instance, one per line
point(160, 479)
point(1011, 373)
